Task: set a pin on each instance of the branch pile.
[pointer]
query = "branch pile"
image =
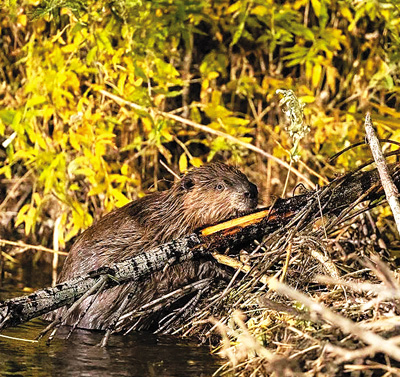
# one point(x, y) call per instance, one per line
point(313, 233)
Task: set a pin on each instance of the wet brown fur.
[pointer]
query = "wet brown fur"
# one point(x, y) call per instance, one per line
point(203, 196)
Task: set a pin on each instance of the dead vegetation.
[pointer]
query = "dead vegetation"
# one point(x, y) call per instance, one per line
point(310, 302)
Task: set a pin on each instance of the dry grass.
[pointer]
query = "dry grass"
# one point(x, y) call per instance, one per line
point(308, 303)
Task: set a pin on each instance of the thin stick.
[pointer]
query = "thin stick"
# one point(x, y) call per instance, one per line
point(286, 265)
point(34, 247)
point(117, 315)
point(18, 339)
point(9, 257)
point(287, 178)
point(169, 169)
point(234, 263)
point(13, 190)
point(387, 183)
point(348, 355)
point(56, 248)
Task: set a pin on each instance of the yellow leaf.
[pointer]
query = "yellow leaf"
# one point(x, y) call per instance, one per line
point(299, 3)
point(97, 87)
point(158, 100)
point(58, 37)
point(195, 114)
point(73, 140)
point(260, 10)
point(246, 139)
point(346, 13)
point(121, 82)
point(68, 48)
point(316, 4)
point(212, 75)
point(205, 84)
point(121, 199)
point(316, 76)
point(138, 82)
point(22, 212)
point(309, 69)
point(117, 178)
point(234, 7)
point(99, 189)
point(41, 142)
point(196, 162)
point(125, 169)
point(30, 219)
point(73, 82)
point(100, 149)
point(47, 111)
point(36, 199)
point(84, 171)
point(387, 110)
point(216, 97)
point(148, 124)
point(183, 163)
point(331, 74)
point(307, 99)
point(91, 55)
point(22, 19)
point(166, 134)
point(386, 14)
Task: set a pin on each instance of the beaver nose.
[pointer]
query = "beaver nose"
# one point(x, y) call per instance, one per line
point(252, 193)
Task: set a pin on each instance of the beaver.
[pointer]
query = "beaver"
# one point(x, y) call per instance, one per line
point(203, 196)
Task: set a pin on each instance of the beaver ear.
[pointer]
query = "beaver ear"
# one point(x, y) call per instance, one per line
point(187, 183)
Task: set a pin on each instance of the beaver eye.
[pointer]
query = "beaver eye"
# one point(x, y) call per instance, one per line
point(219, 186)
point(187, 183)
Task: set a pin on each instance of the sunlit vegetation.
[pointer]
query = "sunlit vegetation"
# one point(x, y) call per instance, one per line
point(70, 153)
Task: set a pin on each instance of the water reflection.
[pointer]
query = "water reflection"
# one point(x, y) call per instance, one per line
point(139, 354)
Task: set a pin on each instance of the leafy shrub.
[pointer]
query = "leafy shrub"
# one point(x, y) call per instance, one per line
point(216, 63)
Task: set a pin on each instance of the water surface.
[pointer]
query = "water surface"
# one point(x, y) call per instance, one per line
point(136, 354)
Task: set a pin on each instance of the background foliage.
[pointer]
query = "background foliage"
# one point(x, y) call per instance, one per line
point(69, 153)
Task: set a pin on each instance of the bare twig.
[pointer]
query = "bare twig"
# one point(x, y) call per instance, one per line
point(169, 169)
point(347, 355)
point(34, 247)
point(238, 265)
point(377, 343)
point(390, 189)
point(377, 289)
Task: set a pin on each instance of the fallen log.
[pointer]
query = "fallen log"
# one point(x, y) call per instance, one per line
point(300, 210)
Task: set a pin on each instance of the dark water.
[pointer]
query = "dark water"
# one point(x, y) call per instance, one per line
point(137, 354)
